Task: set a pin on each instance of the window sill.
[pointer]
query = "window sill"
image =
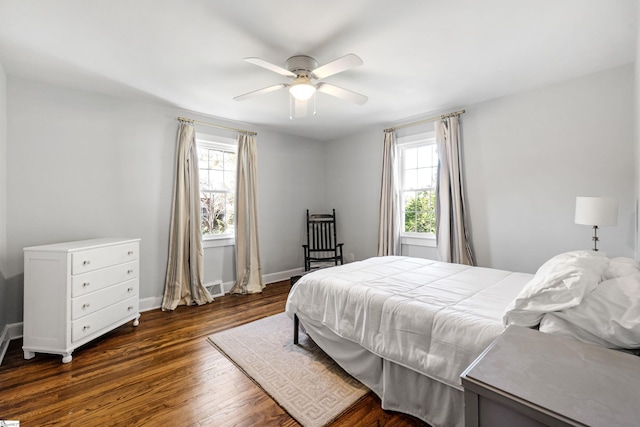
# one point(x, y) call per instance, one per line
point(218, 242)
point(418, 240)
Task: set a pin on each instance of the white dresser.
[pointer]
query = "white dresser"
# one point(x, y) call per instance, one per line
point(76, 291)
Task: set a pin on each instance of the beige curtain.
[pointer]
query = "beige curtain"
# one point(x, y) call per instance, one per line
point(185, 271)
point(248, 273)
point(389, 226)
point(451, 230)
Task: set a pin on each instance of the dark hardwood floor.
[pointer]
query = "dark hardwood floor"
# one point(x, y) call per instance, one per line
point(162, 372)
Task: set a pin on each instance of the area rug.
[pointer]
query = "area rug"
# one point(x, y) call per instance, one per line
point(301, 378)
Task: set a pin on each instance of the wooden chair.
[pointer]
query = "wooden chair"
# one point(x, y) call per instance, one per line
point(322, 246)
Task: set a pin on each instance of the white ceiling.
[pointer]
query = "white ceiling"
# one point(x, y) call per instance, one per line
point(419, 56)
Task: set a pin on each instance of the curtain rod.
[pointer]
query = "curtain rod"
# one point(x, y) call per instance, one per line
point(430, 119)
point(217, 126)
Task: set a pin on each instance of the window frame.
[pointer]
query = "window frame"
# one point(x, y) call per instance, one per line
point(404, 142)
point(221, 143)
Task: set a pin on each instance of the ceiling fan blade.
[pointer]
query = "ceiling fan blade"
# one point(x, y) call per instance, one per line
point(334, 67)
point(341, 93)
point(261, 91)
point(269, 66)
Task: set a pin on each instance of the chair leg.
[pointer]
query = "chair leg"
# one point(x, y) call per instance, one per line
point(296, 323)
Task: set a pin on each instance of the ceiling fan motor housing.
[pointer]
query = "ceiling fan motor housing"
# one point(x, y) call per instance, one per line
point(301, 65)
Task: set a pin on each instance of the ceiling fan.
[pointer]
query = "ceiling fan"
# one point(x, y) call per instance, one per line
point(304, 70)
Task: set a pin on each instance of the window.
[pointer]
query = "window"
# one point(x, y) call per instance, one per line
point(418, 177)
point(217, 168)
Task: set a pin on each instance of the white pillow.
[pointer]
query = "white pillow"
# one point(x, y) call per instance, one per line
point(621, 266)
point(609, 316)
point(560, 283)
point(551, 323)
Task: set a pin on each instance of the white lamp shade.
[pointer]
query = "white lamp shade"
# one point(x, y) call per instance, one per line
point(596, 211)
point(302, 91)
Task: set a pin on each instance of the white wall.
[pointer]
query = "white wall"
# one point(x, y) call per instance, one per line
point(529, 155)
point(353, 177)
point(526, 157)
point(290, 180)
point(3, 198)
point(637, 137)
point(83, 165)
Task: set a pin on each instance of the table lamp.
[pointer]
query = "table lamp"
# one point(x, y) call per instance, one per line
point(596, 211)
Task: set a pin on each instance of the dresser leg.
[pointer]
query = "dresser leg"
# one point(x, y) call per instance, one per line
point(66, 358)
point(29, 354)
point(136, 321)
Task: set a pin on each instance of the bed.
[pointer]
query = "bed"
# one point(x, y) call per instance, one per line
point(408, 327)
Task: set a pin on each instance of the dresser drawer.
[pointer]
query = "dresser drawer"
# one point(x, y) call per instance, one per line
point(82, 284)
point(94, 301)
point(94, 323)
point(94, 259)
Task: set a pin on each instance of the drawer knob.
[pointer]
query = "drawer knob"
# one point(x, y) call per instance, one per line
point(130, 290)
point(130, 308)
point(86, 327)
point(130, 253)
point(129, 271)
point(85, 284)
point(86, 262)
point(86, 305)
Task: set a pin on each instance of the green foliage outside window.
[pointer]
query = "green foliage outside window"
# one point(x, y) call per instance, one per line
point(420, 213)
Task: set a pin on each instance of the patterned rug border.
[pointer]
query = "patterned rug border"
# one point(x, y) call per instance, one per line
point(303, 338)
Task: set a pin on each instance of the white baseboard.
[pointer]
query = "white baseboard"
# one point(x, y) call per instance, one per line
point(282, 275)
point(10, 332)
point(153, 303)
point(150, 303)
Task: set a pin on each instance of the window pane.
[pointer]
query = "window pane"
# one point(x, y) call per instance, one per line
point(203, 158)
point(424, 156)
point(229, 161)
point(206, 212)
point(407, 198)
point(204, 179)
point(410, 158)
point(229, 181)
point(423, 178)
point(218, 225)
point(408, 203)
point(217, 180)
point(425, 212)
point(230, 213)
point(410, 179)
point(216, 159)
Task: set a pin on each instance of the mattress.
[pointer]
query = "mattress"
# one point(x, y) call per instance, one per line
point(431, 317)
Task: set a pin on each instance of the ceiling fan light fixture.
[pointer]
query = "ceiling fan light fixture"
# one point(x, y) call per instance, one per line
point(302, 89)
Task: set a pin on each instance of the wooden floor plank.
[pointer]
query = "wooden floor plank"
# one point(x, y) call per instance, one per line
point(162, 372)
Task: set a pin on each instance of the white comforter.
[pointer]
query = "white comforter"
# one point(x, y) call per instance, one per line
point(432, 317)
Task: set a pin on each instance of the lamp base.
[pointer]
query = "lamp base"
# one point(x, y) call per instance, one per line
point(595, 238)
